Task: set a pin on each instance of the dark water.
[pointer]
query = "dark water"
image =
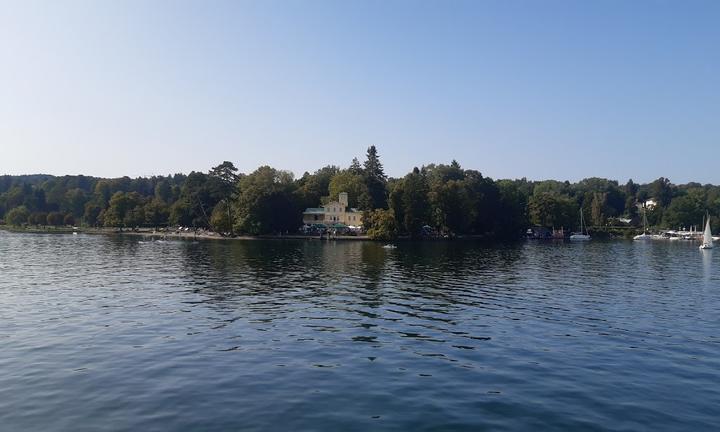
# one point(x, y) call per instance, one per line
point(105, 333)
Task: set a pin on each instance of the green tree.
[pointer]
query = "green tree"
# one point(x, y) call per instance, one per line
point(74, 202)
point(17, 216)
point(375, 180)
point(631, 209)
point(15, 197)
point(38, 218)
point(409, 203)
point(551, 187)
point(267, 202)
point(313, 188)
point(135, 216)
point(163, 191)
point(598, 208)
point(355, 167)
point(34, 198)
point(347, 181)
point(69, 220)
point(483, 202)
point(55, 193)
point(156, 213)
point(199, 197)
point(662, 190)
point(631, 189)
point(552, 210)
point(224, 185)
point(181, 213)
point(220, 220)
point(380, 225)
point(125, 210)
point(513, 206)
point(55, 218)
point(115, 213)
point(92, 213)
point(450, 206)
point(686, 210)
point(103, 191)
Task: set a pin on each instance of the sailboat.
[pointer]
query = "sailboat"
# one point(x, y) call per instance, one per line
point(644, 235)
point(707, 236)
point(580, 235)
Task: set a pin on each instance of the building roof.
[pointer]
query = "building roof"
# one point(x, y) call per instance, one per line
point(314, 210)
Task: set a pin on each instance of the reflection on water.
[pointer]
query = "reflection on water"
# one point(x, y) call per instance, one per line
point(707, 260)
point(120, 334)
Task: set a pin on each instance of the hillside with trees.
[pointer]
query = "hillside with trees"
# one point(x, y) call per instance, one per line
point(446, 200)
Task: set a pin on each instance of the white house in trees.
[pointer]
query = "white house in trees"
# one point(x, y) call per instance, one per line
point(335, 212)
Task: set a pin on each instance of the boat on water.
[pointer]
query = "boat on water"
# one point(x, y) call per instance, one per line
point(707, 236)
point(583, 234)
point(644, 235)
point(389, 246)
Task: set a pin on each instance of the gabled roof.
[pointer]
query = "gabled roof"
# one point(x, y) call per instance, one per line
point(314, 210)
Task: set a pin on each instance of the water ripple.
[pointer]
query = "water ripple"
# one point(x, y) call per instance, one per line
point(109, 333)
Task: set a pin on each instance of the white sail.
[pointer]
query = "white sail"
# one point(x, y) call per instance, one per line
point(707, 236)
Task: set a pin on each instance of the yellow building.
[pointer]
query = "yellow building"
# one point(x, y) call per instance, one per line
point(335, 212)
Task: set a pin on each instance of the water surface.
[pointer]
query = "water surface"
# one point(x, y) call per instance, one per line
point(120, 333)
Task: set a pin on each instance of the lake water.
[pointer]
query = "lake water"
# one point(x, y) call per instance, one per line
point(108, 333)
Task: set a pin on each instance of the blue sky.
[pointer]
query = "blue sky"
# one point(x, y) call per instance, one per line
point(536, 89)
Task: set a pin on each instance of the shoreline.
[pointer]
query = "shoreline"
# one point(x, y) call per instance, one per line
point(211, 235)
point(180, 235)
point(203, 234)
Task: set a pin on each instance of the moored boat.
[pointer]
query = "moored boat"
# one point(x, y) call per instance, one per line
point(582, 235)
point(644, 235)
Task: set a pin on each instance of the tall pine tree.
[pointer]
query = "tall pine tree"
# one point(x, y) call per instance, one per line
point(375, 180)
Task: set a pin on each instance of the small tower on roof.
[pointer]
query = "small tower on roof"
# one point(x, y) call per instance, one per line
point(343, 199)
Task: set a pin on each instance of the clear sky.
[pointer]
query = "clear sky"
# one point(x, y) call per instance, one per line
point(537, 89)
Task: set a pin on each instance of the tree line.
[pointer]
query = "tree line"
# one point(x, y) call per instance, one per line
point(441, 199)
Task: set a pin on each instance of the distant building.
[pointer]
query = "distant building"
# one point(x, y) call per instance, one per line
point(336, 212)
point(648, 204)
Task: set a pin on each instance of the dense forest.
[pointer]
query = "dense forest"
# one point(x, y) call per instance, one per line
point(449, 199)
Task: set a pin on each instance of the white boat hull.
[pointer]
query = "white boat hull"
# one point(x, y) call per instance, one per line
point(580, 237)
point(643, 237)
